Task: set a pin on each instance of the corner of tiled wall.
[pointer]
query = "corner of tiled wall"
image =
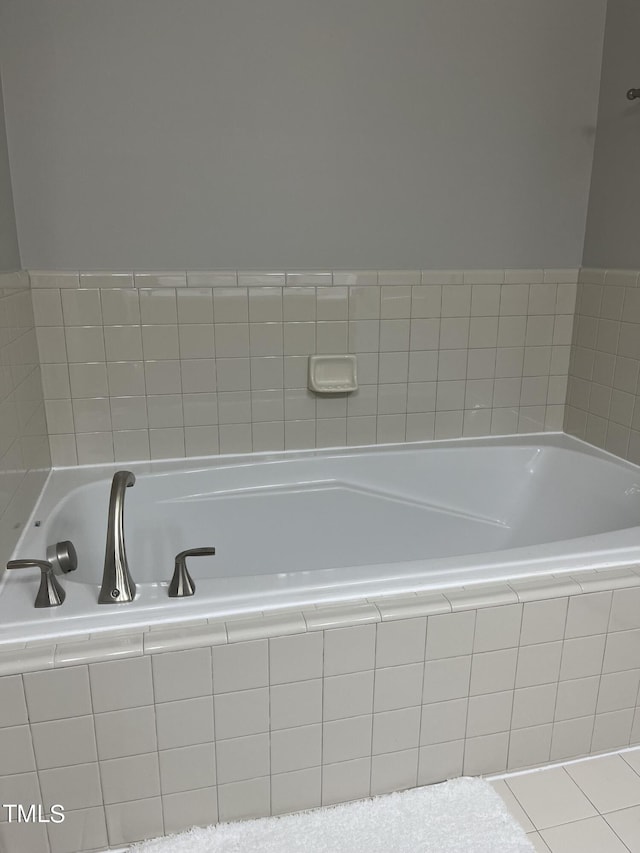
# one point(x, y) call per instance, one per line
point(24, 446)
point(157, 365)
point(604, 371)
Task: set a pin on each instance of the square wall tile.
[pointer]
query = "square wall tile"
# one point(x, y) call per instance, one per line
point(394, 771)
point(588, 614)
point(120, 307)
point(240, 666)
point(582, 657)
point(242, 758)
point(64, 742)
point(538, 664)
point(122, 343)
point(440, 761)
point(529, 747)
point(533, 706)
point(346, 739)
point(128, 822)
point(489, 714)
point(21, 788)
point(349, 649)
point(497, 628)
point(77, 787)
point(443, 722)
point(83, 829)
point(398, 687)
point(241, 713)
point(296, 791)
point(132, 778)
point(128, 732)
point(400, 642)
point(396, 730)
point(184, 722)
point(190, 808)
point(543, 621)
point(296, 658)
point(57, 694)
point(182, 675)
point(618, 691)
point(296, 749)
point(187, 768)
point(243, 800)
point(300, 703)
point(450, 635)
point(571, 738)
point(445, 679)
point(486, 754)
point(16, 750)
point(625, 610)
point(81, 307)
point(492, 672)
point(345, 781)
point(13, 708)
point(85, 343)
point(51, 344)
point(348, 695)
point(118, 685)
point(612, 730)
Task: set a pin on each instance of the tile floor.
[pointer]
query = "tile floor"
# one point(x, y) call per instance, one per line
point(590, 806)
point(586, 806)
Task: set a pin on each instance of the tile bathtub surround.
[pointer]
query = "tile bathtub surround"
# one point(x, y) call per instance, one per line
point(603, 394)
point(157, 365)
point(249, 727)
point(24, 446)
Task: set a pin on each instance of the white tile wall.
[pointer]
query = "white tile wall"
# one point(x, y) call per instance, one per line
point(157, 365)
point(603, 392)
point(141, 746)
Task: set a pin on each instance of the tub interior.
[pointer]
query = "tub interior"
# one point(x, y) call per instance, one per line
point(299, 529)
point(293, 516)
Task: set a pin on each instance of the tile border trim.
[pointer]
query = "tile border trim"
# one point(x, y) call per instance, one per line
point(297, 278)
point(199, 633)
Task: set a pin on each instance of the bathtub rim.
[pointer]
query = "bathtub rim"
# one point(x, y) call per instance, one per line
point(350, 610)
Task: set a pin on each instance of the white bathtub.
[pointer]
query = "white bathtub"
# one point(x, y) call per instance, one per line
point(299, 528)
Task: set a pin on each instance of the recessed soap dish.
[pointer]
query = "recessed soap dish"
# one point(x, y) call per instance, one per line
point(333, 374)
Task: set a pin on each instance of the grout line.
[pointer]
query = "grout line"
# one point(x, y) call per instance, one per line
point(466, 720)
point(554, 721)
point(615, 833)
point(602, 673)
point(496, 777)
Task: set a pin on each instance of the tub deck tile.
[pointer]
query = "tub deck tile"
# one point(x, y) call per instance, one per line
point(339, 616)
point(601, 581)
point(26, 660)
point(261, 627)
point(487, 595)
point(94, 651)
point(189, 623)
point(540, 589)
point(411, 606)
point(174, 639)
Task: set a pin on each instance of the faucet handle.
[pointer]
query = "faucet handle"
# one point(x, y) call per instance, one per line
point(50, 593)
point(182, 584)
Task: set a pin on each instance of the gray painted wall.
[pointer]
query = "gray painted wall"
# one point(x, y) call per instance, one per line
point(613, 225)
point(301, 133)
point(9, 255)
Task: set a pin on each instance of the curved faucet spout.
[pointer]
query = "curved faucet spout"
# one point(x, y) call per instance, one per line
point(117, 584)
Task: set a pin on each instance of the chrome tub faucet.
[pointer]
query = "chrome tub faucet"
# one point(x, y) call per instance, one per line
point(117, 584)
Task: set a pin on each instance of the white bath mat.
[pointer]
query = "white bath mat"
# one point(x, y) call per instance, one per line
point(461, 816)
